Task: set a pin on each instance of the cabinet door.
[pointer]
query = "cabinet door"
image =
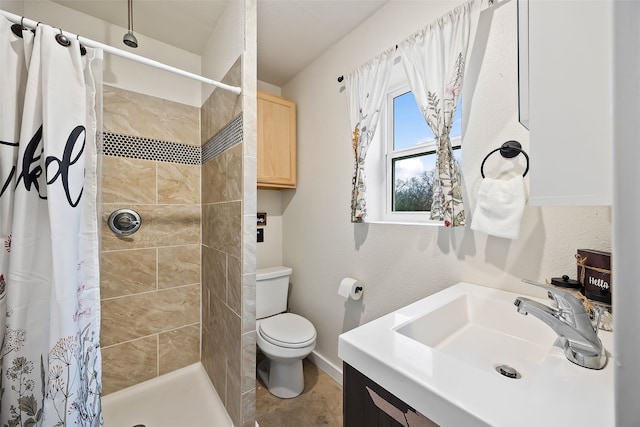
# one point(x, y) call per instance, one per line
point(570, 102)
point(367, 404)
point(276, 142)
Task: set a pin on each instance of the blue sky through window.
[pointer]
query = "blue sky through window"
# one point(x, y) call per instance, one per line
point(409, 126)
point(410, 129)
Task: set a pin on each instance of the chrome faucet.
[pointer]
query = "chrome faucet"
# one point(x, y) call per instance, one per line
point(572, 324)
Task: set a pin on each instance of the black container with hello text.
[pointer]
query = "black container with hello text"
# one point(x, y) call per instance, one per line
point(594, 273)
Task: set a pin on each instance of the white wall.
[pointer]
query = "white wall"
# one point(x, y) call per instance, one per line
point(401, 264)
point(225, 44)
point(224, 47)
point(269, 252)
point(121, 72)
point(268, 87)
point(13, 6)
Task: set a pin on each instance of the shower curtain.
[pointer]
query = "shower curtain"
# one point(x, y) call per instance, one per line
point(49, 275)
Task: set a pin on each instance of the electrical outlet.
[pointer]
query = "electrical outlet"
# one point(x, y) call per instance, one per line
point(260, 236)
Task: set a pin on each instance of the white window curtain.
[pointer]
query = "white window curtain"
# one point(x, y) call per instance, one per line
point(366, 91)
point(434, 60)
point(50, 366)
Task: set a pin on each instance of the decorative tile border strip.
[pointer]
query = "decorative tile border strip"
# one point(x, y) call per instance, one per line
point(150, 149)
point(226, 138)
point(164, 151)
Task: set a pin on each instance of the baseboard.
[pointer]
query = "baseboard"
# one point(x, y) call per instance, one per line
point(327, 367)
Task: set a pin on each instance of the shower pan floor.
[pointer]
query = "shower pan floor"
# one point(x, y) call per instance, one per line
point(181, 398)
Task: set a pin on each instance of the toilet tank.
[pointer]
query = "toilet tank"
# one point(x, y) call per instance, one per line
point(272, 290)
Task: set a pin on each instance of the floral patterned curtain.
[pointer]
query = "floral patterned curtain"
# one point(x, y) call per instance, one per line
point(366, 90)
point(50, 363)
point(434, 60)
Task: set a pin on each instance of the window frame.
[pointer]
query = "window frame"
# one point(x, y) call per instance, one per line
point(390, 154)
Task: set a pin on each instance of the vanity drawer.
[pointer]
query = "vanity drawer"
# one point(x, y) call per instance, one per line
point(367, 404)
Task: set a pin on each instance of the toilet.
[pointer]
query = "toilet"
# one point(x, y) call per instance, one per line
point(284, 338)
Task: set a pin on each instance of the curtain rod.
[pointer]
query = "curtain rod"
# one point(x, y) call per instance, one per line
point(490, 4)
point(16, 19)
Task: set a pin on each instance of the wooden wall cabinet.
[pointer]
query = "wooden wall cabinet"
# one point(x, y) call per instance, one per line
point(276, 141)
point(570, 102)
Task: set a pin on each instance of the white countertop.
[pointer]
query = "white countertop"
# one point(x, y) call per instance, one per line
point(454, 393)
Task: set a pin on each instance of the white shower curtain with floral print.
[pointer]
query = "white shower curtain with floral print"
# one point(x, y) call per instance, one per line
point(434, 60)
point(49, 273)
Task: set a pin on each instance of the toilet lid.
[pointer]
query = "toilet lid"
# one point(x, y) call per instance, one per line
point(287, 330)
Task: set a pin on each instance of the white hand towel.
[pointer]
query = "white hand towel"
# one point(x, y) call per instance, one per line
point(499, 207)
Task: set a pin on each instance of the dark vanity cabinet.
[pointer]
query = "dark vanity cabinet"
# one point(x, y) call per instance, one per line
point(367, 404)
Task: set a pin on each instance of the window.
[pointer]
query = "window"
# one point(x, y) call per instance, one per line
point(410, 157)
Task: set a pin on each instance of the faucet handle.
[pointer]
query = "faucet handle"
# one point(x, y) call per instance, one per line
point(565, 300)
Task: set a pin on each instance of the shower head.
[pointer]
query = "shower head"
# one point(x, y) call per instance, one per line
point(129, 39)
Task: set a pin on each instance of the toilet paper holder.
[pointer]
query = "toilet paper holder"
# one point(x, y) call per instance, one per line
point(350, 288)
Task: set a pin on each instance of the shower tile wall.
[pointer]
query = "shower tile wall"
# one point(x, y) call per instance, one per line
point(226, 349)
point(150, 280)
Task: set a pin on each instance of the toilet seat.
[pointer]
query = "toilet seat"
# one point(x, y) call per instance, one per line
point(287, 330)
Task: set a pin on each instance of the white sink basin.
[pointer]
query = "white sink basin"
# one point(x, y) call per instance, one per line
point(440, 355)
point(484, 331)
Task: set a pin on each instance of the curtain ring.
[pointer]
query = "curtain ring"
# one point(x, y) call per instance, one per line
point(83, 50)
point(16, 29)
point(62, 39)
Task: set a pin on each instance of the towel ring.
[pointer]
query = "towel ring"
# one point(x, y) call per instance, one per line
point(508, 150)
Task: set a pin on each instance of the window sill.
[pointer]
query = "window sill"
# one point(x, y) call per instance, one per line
point(428, 224)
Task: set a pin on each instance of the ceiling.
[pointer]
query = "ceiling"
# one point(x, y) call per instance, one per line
point(291, 33)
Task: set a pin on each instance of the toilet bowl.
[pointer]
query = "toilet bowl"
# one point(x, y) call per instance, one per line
point(284, 338)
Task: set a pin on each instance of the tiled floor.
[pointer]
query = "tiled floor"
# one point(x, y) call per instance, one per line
point(319, 405)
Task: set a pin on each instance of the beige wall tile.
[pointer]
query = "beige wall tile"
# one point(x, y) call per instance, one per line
point(234, 284)
point(213, 180)
point(233, 188)
point(221, 106)
point(127, 180)
point(231, 341)
point(178, 266)
point(222, 227)
point(249, 407)
point(222, 353)
point(137, 316)
point(135, 114)
point(178, 183)
point(213, 361)
point(233, 402)
point(222, 177)
point(222, 236)
point(249, 192)
point(248, 361)
point(249, 228)
point(175, 224)
point(215, 272)
point(162, 225)
point(249, 302)
point(179, 348)
point(124, 365)
point(127, 272)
